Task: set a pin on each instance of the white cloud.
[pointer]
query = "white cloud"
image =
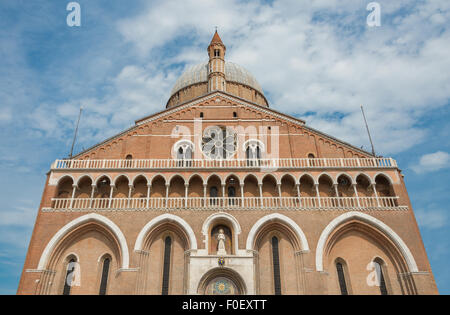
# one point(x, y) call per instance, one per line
point(324, 67)
point(431, 219)
point(432, 162)
point(311, 57)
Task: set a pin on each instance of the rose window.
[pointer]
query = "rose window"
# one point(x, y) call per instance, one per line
point(219, 143)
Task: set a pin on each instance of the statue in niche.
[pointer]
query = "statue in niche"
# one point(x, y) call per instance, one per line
point(221, 243)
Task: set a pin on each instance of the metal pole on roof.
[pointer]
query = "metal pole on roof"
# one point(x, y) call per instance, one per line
point(75, 135)
point(368, 131)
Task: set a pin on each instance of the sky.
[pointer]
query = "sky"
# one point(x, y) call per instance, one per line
point(316, 60)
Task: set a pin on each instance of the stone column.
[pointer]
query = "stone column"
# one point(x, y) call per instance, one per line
point(356, 194)
point(74, 189)
point(318, 194)
point(376, 194)
point(149, 190)
point(242, 195)
point(110, 195)
point(186, 192)
point(93, 188)
point(130, 191)
point(299, 194)
point(167, 194)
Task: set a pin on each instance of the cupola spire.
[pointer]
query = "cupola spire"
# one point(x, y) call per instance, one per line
point(216, 65)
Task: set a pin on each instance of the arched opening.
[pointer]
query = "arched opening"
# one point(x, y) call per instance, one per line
point(90, 241)
point(105, 270)
point(214, 189)
point(354, 244)
point(251, 189)
point(383, 186)
point(253, 153)
point(342, 276)
point(140, 187)
point(276, 265)
point(326, 186)
point(177, 187)
point(184, 152)
point(84, 188)
point(65, 188)
point(289, 241)
point(288, 187)
point(195, 187)
point(345, 186)
point(307, 186)
point(382, 280)
point(121, 187)
point(165, 271)
point(232, 189)
point(221, 281)
point(70, 274)
point(103, 187)
point(363, 186)
point(103, 192)
point(269, 186)
point(158, 189)
point(166, 265)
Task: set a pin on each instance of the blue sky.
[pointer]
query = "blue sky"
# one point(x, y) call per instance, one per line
point(317, 60)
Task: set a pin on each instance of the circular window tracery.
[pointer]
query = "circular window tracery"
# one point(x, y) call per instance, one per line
point(219, 143)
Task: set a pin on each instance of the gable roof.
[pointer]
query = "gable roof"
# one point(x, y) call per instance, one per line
point(226, 96)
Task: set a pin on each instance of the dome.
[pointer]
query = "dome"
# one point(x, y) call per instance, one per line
point(199, 74)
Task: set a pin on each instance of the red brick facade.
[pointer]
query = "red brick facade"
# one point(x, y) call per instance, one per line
point(140, 202)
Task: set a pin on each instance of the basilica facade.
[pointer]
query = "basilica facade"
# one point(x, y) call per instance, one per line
point(219, 194)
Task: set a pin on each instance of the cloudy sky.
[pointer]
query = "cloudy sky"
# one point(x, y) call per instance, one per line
point(316, 60)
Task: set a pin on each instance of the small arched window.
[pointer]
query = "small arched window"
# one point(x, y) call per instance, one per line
point(253, 153)
point(341, 278)
point(166, 270)
point(184, 153)
point(380, 277)
point(311, 156)
point(70, 273)
point(105, 274)
point(276, 266)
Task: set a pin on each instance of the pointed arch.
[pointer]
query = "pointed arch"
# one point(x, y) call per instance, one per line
point(377, 224)
point(258, 180)
point(157, 176)
point(118, 177)
point(73, 225)
point(140, 176)
point(214, 175)
point(325, 174)
point(385, 175)
point(277, 180)
point(82, 177)
point(277, 217)
point(226, 217)
point(103, 176)
point(163, 219)
point(310, 177)
point(62, 178)
point(349, 177)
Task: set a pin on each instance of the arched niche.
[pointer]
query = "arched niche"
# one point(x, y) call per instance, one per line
point(85, 238)
point(231, 228)
point(357, 239)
